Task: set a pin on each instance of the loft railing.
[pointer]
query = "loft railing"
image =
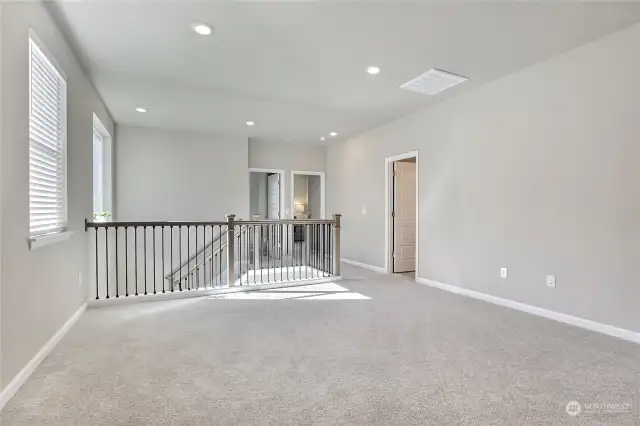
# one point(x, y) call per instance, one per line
point(140, 258)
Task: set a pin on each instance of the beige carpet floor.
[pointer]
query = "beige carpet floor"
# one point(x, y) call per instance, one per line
point(409, 355)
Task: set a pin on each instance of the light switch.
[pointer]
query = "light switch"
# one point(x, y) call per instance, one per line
point(364, 209)
point(503, 272)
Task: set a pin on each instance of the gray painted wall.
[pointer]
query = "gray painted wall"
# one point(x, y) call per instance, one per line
point(40, 288)
point(538, 172)
point(287, 157)
point(180, 175)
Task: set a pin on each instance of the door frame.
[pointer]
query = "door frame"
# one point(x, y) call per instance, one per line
point(388, 208)
point(322, 190)
point(282, 187)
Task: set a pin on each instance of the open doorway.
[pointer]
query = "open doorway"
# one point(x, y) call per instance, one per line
point(307, 195)
point(266, 201)
point(266, 193)
point(402, 214)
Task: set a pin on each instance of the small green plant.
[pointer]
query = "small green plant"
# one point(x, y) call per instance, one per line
point(101, 217)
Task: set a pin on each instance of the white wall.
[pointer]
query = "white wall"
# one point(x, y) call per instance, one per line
point(538, 172)
point(287, 157)
point(179, 175)
point(40, 288)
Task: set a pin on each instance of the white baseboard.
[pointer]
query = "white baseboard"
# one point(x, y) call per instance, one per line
point(363, 265)
point(185, 294)
point(15, 384)
point(610, 330)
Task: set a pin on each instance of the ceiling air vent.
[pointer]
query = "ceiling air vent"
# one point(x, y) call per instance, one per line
point(433, 81)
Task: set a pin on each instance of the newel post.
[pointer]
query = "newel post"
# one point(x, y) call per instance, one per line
point(231, 242)
point(336, 244)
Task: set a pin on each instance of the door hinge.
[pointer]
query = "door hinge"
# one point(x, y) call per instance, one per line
point(393, 214)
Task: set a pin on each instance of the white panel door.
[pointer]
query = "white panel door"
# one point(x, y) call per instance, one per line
point(273, 212)
point(273, 191)
point(404, 220)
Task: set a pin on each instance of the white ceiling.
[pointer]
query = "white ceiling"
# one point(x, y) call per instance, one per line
point(298, 69)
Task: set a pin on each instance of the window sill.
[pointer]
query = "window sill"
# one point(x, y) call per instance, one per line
point(46, 240)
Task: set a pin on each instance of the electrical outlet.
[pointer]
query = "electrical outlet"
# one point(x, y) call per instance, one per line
point(503, 272)
point(551, 281)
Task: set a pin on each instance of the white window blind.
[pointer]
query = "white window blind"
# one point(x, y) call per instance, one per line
point(47, 145)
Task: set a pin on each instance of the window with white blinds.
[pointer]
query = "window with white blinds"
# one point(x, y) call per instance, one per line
point(47, 145)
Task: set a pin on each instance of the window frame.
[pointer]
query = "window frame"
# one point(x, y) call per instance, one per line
point(100, 196)
point(107, 168)
point(39, 239)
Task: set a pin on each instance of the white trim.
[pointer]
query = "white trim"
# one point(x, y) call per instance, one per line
point(283, 185)
point(10, 390)
point(107, 167)
point(185, 294)
point(322, 191)
point(363, 265)
point(388, 206)
point(97, 123)
point(258, 169)
point(40, 241)
point(610, 330)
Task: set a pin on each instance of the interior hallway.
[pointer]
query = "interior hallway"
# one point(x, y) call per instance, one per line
point(408, 355)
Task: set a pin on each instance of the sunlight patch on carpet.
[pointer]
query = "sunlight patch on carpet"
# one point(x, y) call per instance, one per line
point(320, 291)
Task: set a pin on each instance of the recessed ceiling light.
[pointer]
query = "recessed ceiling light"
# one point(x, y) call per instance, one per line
point(141, 109)
point(322, 138)
point(333, 134)
point(373, 70)
point(250, 123)
point(202, 29)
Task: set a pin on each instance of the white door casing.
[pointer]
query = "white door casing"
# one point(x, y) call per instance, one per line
point(404, 221)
